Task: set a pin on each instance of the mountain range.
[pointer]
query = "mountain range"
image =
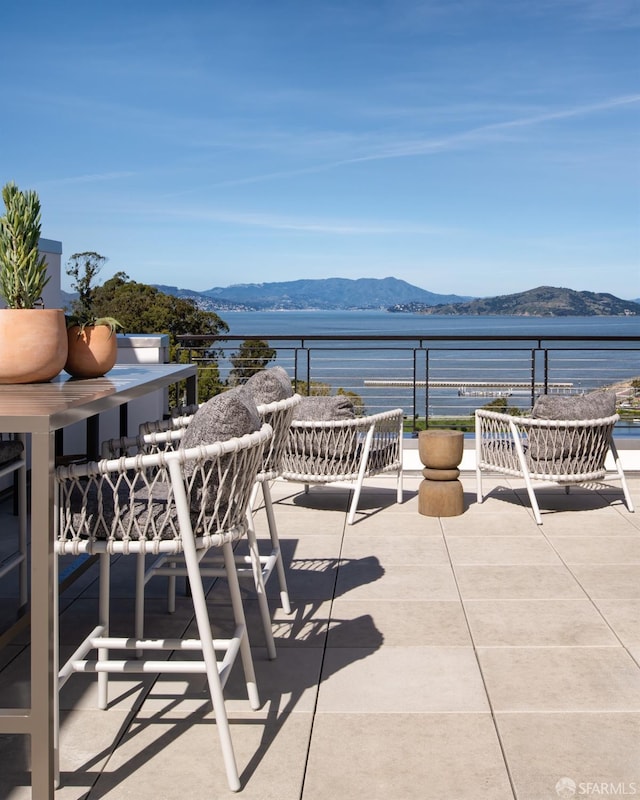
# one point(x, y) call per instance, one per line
point(320, 294)
point(399, 296)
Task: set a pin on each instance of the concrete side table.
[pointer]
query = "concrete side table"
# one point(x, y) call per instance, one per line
point(440, 493)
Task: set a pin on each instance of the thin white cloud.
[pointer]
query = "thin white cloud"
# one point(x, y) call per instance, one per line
point(92, 178)
point(481, 133)
point(276, 222)
point(420, 147)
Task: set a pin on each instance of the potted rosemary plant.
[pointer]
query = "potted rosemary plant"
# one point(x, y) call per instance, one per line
point(92, 340)
point(34, 341)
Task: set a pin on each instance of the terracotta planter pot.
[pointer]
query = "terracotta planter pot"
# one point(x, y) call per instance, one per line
point(33, 344)
point(92, 351)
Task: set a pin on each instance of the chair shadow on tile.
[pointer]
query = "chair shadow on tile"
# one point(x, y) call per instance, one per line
point(338, 498)
point(137, 745)
point(585, 497)
point(337, 576)
point(285, 684)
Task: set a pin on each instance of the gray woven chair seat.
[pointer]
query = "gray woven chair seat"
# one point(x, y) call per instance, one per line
point(10, 449)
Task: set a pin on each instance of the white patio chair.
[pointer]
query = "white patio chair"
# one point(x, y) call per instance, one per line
point(181, 502)
point(13, 461)
point(345, 451)
point(166, 434)
point(564, 452)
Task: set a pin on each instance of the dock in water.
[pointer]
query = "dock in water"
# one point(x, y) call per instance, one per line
point(477, 388)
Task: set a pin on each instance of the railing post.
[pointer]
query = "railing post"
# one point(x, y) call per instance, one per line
point(426, 389)
point(415, 392)
point(533, 376)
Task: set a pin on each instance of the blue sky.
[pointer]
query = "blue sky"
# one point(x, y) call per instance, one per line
point(477, 147)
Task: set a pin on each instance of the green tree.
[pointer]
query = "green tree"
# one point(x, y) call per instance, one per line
point(83, 268)
point(253, 356)
point(499, 404)
point(144, 309)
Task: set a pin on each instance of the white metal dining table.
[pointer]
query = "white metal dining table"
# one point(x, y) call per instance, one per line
point(42, 410)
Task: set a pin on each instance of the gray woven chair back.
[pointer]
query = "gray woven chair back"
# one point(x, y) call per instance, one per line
point(10, 449)
point(572, 449)
point(149, 502)
point(279, 416)
point(331, 450)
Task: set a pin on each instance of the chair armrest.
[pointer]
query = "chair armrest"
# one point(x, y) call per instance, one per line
point(143, 443)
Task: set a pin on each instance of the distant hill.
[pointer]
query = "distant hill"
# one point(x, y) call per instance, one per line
point(545, 301)
point(321, 294)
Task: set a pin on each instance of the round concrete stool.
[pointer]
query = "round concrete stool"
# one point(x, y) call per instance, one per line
point(440, 493)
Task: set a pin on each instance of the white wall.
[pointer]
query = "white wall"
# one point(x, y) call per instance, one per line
point(52, 252)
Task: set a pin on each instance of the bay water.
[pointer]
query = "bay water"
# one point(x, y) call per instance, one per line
point(384, 323)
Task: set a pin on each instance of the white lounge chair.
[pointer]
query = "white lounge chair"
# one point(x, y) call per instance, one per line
point(565, 452)
point(345, 450)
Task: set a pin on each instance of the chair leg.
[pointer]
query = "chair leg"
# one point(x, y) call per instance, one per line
point(532, 499)
point(399, 493)
point(103, 653)
point(354, 506)
point(621, 476)
point(238, 614)
point(211, 664)
point(479, 493)
point(56, 669)
point(275, 545)
point(139, 612)
point(261, 593)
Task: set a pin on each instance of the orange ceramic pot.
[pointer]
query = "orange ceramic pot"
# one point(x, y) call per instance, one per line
point(92, 351)
point(33, 344)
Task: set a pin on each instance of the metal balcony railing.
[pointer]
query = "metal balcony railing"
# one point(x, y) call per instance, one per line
point(438, 380)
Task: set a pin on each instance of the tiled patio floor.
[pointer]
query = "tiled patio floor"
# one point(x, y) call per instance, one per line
point(478, 657)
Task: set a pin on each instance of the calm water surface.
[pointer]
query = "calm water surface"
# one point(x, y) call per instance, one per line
point(384, 323)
